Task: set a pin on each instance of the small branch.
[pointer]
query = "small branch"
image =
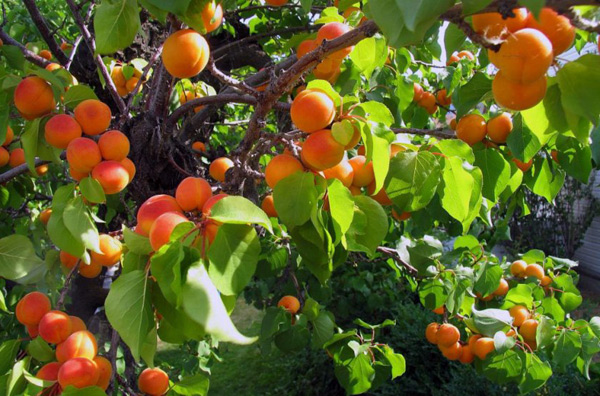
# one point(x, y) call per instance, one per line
point(228, 80)
point(67, 285)
point(29, 55)
point(396, 256)
point(19, 170)
point(440, 133)
point(48, 37)
point(582, 23)
point(430, 65)
point(112, 357)
point(268, 7)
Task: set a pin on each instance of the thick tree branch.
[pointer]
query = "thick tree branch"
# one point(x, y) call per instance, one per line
point(29, 55)
point(19, 170)
point(48, 37)
point(89, 40)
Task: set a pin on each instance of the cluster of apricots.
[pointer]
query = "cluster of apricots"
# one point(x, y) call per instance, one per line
point(457, 56)
point(447, 337)
point(110, 254)
point(4, 154)
point(124, 85)
point(429, 101)
point(77, 362)
point(529, 47)
point(329, 68)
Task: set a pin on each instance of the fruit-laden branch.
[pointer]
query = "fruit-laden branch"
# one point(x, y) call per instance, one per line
point(396, 256)
point(440, 133)
point(48, 37)
point(19, 170)
point(29, 55)
point(89, 40)
point(228, 80)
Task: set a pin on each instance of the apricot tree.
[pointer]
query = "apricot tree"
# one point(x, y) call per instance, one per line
point(163, 158)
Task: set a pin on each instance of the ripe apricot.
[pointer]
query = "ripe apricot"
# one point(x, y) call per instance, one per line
point(4, 157)
point(199, 146)
point(529, 329)
point(45, 216)
point(218, 168)
point(466, 54)
point(80, 343)
point(78, 372)
point(517, 268)
point(31, 308)
point(380, 197)
point(535, 270)
point(91, 270)
point(502, 288)
point(418, 92)
point(83, 154)
point(517, 96)
point(312, 110)
point(212, 16)
point(355, 138)
point(524, 57)
point(290, 303)
point(151, 209)
point(363, 171)
point(471, 129)
point(77, 324)
point(105, 369)
point(402, 217)
point(472, 340)
point(556, 27)
point(342, 171)
point(163, 227)
point(428, 102)
point(467, 355)
point(55, 327)
point(305, 47)
point(131, 84)
point(483, 347)
point(321, 151)
point(9, 136)
point(68, 260)
point(190, 95)
point(355, 190)
point(431, 332)
point(112, 176)
point(185, 53)
point(76, 175)
point(46, 54)
point(327, 68)
point(111, 250)
point(117, 76)
point(113, 145)
point(93, 116)
point(524, 166)
point(41, 170)
point(331, 31)
point(493, 25)
point(53, 66)
point(192, 193)
point(276, 3)
point(34, 97)
point(16, 157)
point(153, 382)
point(49, 371)
point(452, 59)
point(60, 130)
point(211, 201)
point(32, 331)
point(546, 281)
point(268, 206)
point(453, 124)
point(447, 335)
point(280, 167)
point(129, 166)
point(499, 127)
point(519, 314)
point(210, 231)
point(443, 98)
point(452, 352)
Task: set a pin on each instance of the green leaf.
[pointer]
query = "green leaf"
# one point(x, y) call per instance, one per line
point(233, 257)
point(136, 243)
point(356, 377)
point(40, 383)
point(292, 339)
point(29, 142)
point(377, 112)
point(77, 94)
point(92, 190)
point(456, 148)
point(239, 210)
point(536, 373)
point(495, 170)
point(173, 6)
point(295, 198)
point(579, 81)
point(201, 301)
point(575, 158)
point(17, 257)
point(567, 347)
point(542, 181)
point(40, 350)
point(535, 6)
point(471, 94)
point(503, 368)
point(166, 268)
point(78, 221)
point(432, 294)
point(369, 226)
point(395, 360)
point(594, 325)
point(323, 328)
point(521, 294)
point(412, 180)
point(502, 342)
point(195, 385)
point(369, 54)
point(460, 192)
point(129, 310)
point(8, 353)
point(454, 38)
point(88, 391)
point(14, 56)
point(341, 207)
point(116, 22)
point(315, 247)
point(488, 278)
point(16, 378)
point(472, 6)
point(491, 321)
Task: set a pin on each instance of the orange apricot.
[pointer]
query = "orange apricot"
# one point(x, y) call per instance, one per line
point(471, 129)
point(443, 98)
point(49, 371)
point(534, 270)
point(380, 197)
point(129, 166)
point(185, 53)
point(211, 202)
point(80, 344)
point(517, 96)
point(546, 281)
point(312, 110)
point(112, 176)
point(111, 250)
point(190, 95)
point(321, 151)
point(502, 288)
point(34, 97)
point(447, 335)
point(53, 66)
point(210, 231)
point(418, 92)
point(363, 171)
point(524, 57)
point(290, 303)
point(439, 310)
point(529, 329)
point(524, 166)
point(31, 308)
point(467, 355)
point(499, 127)
point(556, 27)
point(105, 369)
point(117, 76)
point(342, 171)
point(131, 84)
point(452, 352)
point(93, 116)
point(163, 227)
point(212, 16)
point(219, 167)
point(4, 157)
point(77, 324)
point(45, 216)
point(199, 147)
point(91, 270)
point(466, 54)
point(192, 193)
point(473, 339)
point(68, 260)
point(493, 25)
point(113, 145)
point(55, 327)
point(32, 331)
point(453, 124)
point(78, 372)
point(153, 381)
point(331, 31)
point(327, 68)
point(354, 140)
point(268, 206)
point(41, 170)
point(519, 314)
point(83, 154)
point(431, 332)
point(76, 175)
point(355, 190)
point(428, 102)
point(305, 47)
point(483, 347)
point(9, 136)
point(280, 167)
point(65, 46)
point(517, 268)
point(46, 54)
point(452, 59)
point(151, 209)
point(60, 130)
point(401, 217)
point(16, 157)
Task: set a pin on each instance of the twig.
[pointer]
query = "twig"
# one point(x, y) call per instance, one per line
point(29, 55)
point(48, 37)
point(229, 80)
point(441, 133)
point(112, 357)
point(582, 23)
point(396, 256)
point(67, 285)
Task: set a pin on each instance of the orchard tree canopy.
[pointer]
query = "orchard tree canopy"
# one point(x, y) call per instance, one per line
point(164, 158)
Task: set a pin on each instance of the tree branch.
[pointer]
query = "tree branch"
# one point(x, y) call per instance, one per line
point(29, 55)
point(48, 37)
point(228, 80)
point(393, 253)
point(440, 133)
point(582, 23)
point(19, 170)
